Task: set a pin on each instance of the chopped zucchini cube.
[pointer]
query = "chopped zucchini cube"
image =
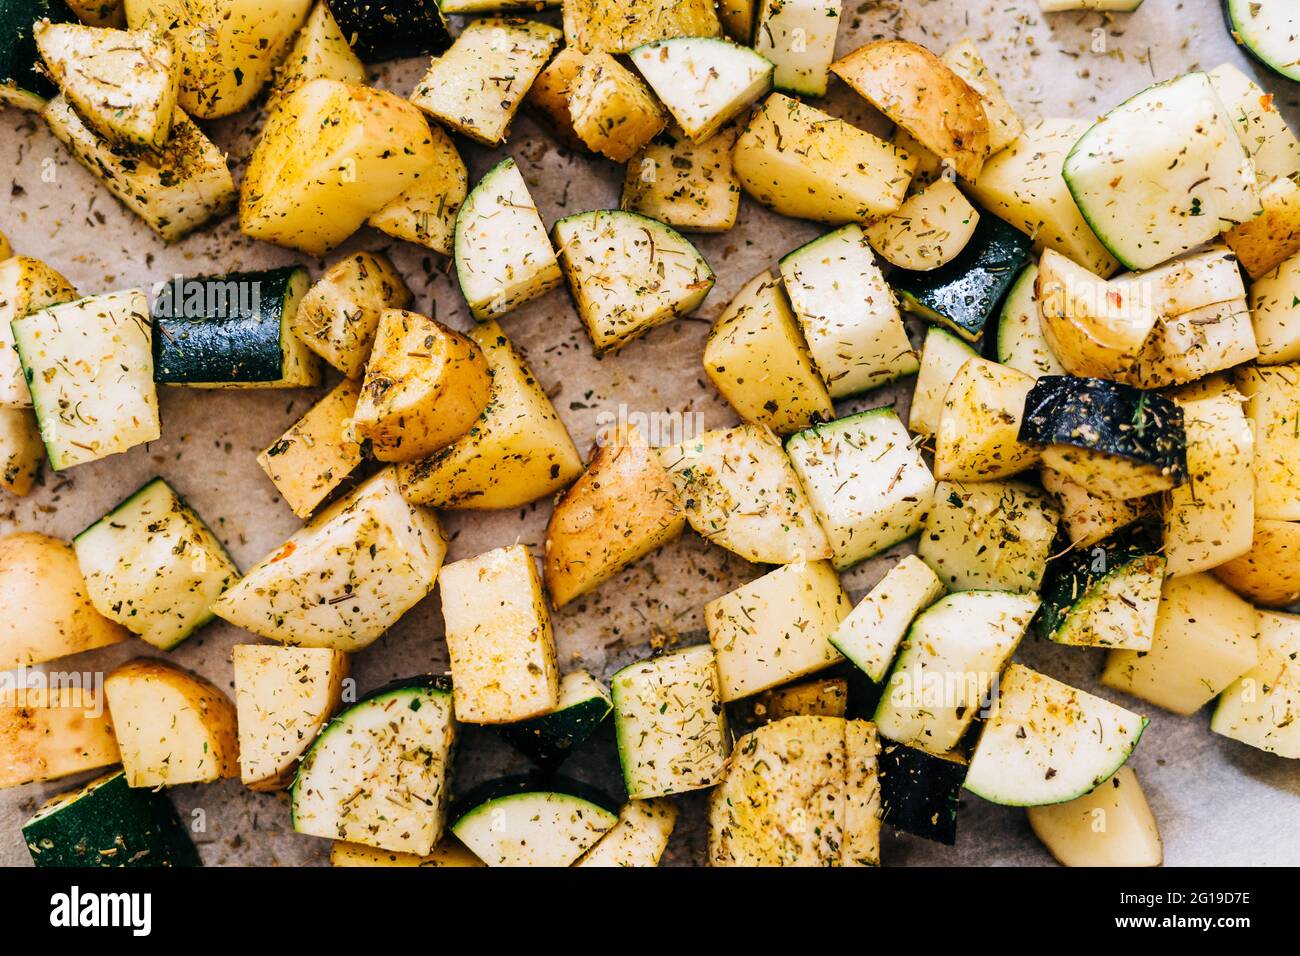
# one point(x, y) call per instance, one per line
point(1046, 742)
point(517, 452)
point(233, 331)
point(942, 356)
point(798, 36)
point(1021, 343)
point(107, 823)
point(1265, 242)
point(345, 577)
point(526, 821)
point(475, 87)
point(670, 723)
point(873, 631)
point(499, 638)
point(777, 628)
point(425, 387)
point(338, 316)
point(549, 739)
point(994, 535)
point(26, 286)
point(315, 456)
point(757, 358)
point(739, 492)
point(503, 257)
point(847, 313)
point(1260, 125)
point(866, 480)
point(378, 773)
point(948, 663)
point(628, 274)
point(805, 163)
point(703, 81)
point(1204, 640)
point(920, 792)
point(450, 852)
point(152, 565)
point(381, 30)
point(22, 83)
point(89, 366)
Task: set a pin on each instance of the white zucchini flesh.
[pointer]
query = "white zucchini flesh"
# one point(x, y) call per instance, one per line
point(949, 661)
point(932, 226)
point(1163, 173)
point(638, 839)
point(741, 493)
point(123, 83)
point(284, 696)
point(1023, 185)
point(628, 274)
point(26, 285)
point(89, 365)
point(703, 81)
point(996, 535)
point(1211, 519)
point(1270, 30)
point(848, 313)
point(803, 162)
point(476, 86)
point(1047, 742)
point(866, 480)
point(1260, 124)
point(757, 358)
point(377, 774)
point(870, 636)
point(503, 256)
point(1112, 826)
point(1272, 405)
point(942, 356)
point(798, 36)
point(1120, 610)
point(175, 191)
point(535, 829)
point(1204, 640)
point(499, 638)
point(347, 576)
point(669, 722)
point(1262, 707)
point(152, 565)
point(1021, 343)
point(777, 628)
point(979, 425)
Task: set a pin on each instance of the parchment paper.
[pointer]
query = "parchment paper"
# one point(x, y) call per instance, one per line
point(1217, 802)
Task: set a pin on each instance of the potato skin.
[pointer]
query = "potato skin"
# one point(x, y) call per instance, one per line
point(623, 507)
point(922, 94)
point(48, 613)
point(1269, 573)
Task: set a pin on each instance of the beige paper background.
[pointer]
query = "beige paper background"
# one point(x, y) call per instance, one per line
point(1218, 802)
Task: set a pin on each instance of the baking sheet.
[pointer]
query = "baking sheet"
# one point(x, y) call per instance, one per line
point(1218, 802)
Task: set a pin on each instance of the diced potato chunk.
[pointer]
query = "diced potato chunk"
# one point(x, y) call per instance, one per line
point(611, 110)
point(315, 456)
point(426, 213)
point(620, 28)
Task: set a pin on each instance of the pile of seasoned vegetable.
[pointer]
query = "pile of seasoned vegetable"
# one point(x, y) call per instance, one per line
point(1101, 320)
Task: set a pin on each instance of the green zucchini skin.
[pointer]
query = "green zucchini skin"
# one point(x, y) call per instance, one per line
point(1071, 577)
point(548, 740)
point(1098, 415)
point(109, 824)
point(966, 293)
point(919, 793)
point(233, 344)
point(380, 30)
point(18, 55)
point(493, 790)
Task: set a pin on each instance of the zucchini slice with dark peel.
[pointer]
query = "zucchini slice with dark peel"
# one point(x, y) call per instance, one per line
point(548, 740)
point(22, 82)
point(1114, 440)
point(379, 30)
point(1269, 30)
point(532, 821)
point(920, 792)
point(232, 331)
point(965, 293)
point(1104, 596)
